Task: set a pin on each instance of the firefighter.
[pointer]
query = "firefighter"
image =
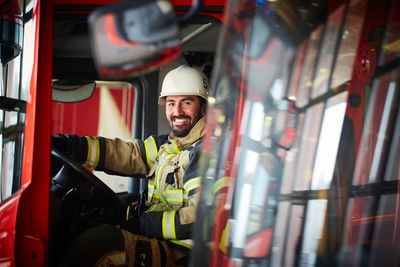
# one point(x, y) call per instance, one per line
point(161, 235)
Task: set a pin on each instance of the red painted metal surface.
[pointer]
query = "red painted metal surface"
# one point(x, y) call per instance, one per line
point(33, 211)
point(11, 11)
point(8, 215)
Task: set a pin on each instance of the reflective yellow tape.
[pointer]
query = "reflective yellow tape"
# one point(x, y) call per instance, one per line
point(151, 190)
point(150, 146)
point(114, 258)
point(168, 149)
point(173, 233)
point(176, 147)
point(89, 152)
point(93, 155)
point(168, 225)
point(192, 184)
point(224, 239)
point(97, 154)
point(173, 191)
point(175, 196)
point(164, 227)
point(146, 147)
point(188, 243)
point(172, 148)
point(155, 150)
point(152, 207)
point(221, 183)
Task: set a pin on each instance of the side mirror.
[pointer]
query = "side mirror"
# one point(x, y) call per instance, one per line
point(69, 92)
point(132, 38)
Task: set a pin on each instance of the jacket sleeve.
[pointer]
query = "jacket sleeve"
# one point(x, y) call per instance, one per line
point(117, 156)
point(176, 224)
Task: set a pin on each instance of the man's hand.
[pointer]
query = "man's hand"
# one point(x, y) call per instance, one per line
point(73, 146)
point(59, 142)
point(133, 226)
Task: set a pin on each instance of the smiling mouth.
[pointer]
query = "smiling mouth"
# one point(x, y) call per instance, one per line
point(180, 120)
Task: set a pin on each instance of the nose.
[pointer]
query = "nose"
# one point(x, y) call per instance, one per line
point(178, 110)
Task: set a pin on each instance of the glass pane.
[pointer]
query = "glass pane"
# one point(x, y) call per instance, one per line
point(393, 163)
point(309, 142)
point(13, 78)
point(315, 218)
point(349, 43)
point(28, 57)
point(108, 113)
point(310, 62)
point(298, 67)
point(327, 52)
point(293, 235)
point(282, 220)
point(385, 240)
point(7, 171)
point(331, 129)
point(291, 159)
point(13, 116)
point(338, 202)
point(378, 126)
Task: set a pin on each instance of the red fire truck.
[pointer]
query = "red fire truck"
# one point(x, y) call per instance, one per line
point(300, 163)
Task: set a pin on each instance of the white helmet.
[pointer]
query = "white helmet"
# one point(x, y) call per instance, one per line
point(184, 80)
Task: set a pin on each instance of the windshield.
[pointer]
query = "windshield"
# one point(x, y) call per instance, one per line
point(301, 155)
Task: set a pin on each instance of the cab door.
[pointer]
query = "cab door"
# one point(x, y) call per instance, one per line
point(24, 131)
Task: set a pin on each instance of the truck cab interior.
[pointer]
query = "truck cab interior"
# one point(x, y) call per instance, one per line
point(125, 108)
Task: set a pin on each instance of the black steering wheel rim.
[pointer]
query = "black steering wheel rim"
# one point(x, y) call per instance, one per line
point(116, 202)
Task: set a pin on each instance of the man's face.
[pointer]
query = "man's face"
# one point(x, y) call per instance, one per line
point(183, 111)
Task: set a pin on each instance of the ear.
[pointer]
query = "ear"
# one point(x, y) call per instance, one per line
point(203, 109)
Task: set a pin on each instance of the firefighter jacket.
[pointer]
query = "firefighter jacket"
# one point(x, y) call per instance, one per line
point(171, 165)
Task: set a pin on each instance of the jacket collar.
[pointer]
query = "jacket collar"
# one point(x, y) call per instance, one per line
point(193, 136)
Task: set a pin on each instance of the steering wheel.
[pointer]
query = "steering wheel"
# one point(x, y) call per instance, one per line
point(75, 178)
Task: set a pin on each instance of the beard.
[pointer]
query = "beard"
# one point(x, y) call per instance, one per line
point(183, 130)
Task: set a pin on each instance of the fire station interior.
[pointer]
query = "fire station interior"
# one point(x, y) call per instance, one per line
point(79, 199)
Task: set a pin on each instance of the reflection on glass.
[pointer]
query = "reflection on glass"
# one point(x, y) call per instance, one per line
point(383, 132)
point(377, 129)
point(387, 229)
point(328, 142)
point(298, 66)
point(391, 41)
point(393, 166)
point(7, 169)
point(280, 233)
point(309, 67)
point(316, 215)
point(291, 159)
point(309, 141)
point(28, 57)
point(293, 235)
point(13, 74)
point(349, 43)
point(254, 126)
point(326, 56)
point(360, 212)
point(242, 215)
